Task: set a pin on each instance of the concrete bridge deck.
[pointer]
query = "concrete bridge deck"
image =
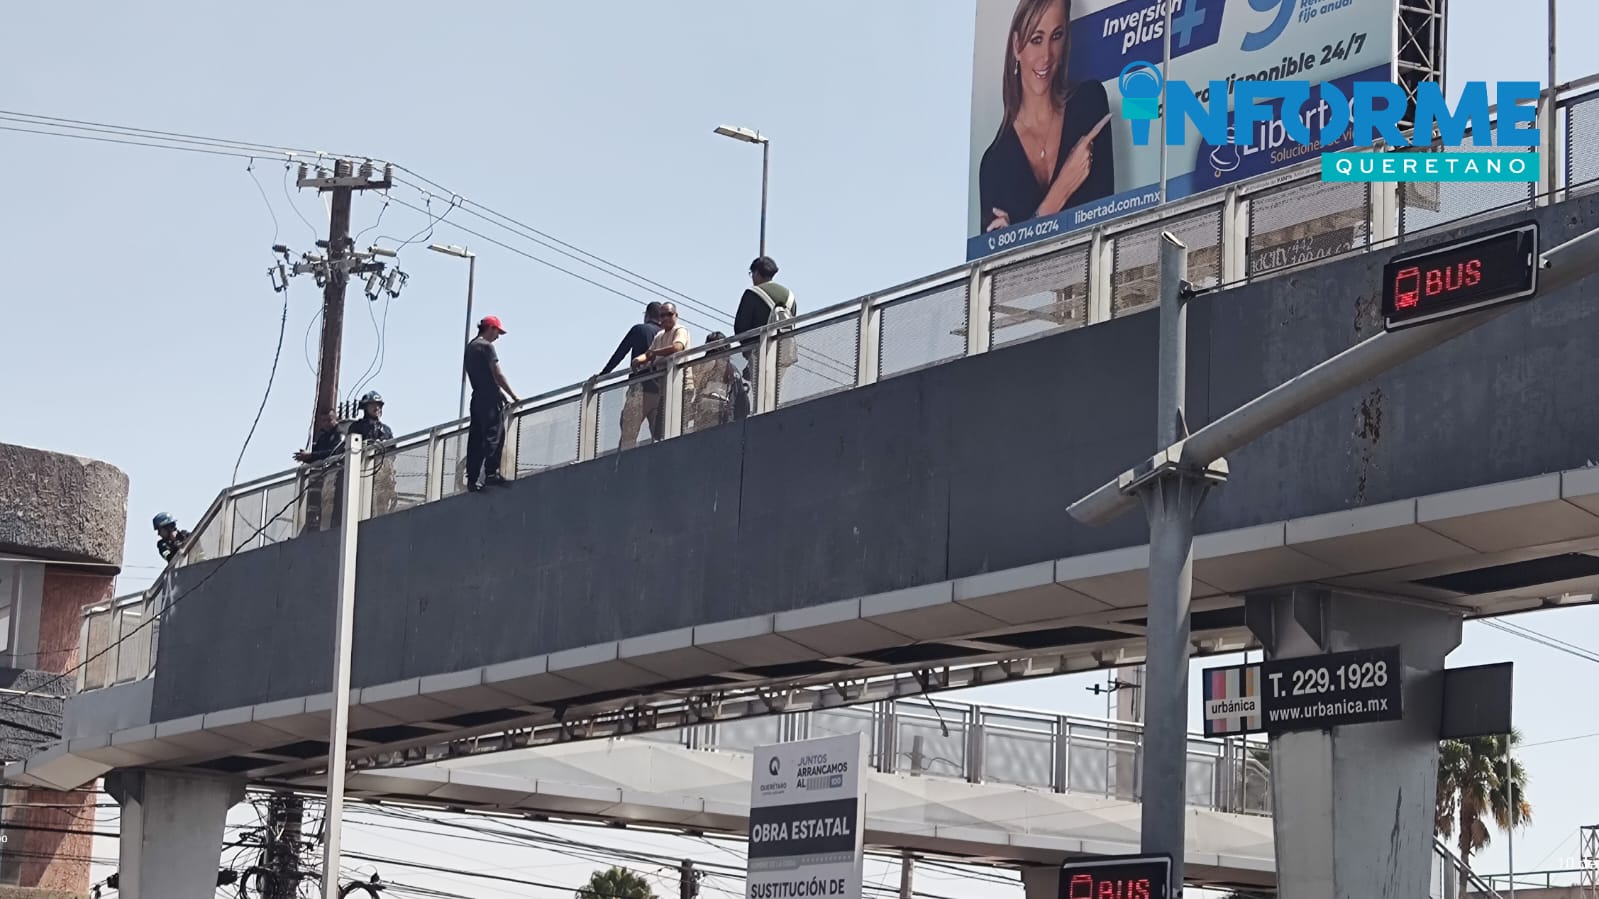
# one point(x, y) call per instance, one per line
point(911, 527)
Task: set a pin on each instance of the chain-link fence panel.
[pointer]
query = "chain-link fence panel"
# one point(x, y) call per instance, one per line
point(399, 479)
point(96, 661)
point(547, 437)
point(923, 748)
point(1582, 143)
point(1135, 266)
point(1018, 751)
point(452, 463)
point(205, 543)
point(282, 510)
point(815, 360)
point(1428, 204)
point(1201, 780)
point(1307, 221)
point(712, 387)
point(745, 735)
point(133, 649)
point(922, 330)
point(631, 414)
point(1039, 296)
point(248, 514)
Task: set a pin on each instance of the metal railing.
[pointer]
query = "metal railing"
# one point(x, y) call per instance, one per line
point(1561, 878)
point(995, 744)
point(1235, 235)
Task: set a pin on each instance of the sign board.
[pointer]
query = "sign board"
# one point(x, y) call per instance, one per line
point(807, 808)
point(1232, 700)
point(1306, 693)
point(1316, 692)
point(1117, 877)
point(1061, 134)
point(1460, 277)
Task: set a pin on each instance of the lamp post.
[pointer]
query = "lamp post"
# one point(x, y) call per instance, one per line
point(471, 278)
point(754, 137)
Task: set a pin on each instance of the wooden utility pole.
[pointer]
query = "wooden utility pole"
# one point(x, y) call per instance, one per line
point(343, 184)
point(283, 837)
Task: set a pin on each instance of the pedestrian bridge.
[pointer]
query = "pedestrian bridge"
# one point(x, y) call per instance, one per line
point(1003, 785)
point(892, 521)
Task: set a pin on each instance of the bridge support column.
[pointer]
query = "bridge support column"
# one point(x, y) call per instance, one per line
point(172, 831)
point(1353, 806)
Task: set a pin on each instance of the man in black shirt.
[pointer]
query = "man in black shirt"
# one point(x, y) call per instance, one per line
point(636, 342)
point(322, 482)
point(486, 436)
point(371, 428)
point(370, 425)
point(635, 346)
point(171, 538)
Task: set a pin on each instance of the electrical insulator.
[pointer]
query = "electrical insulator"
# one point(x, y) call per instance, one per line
point(396, 283)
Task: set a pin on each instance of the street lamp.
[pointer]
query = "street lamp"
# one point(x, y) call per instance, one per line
point(754, 137)
point(471, 277)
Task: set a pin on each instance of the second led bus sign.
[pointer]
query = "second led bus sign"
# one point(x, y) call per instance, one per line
point(1461, 277)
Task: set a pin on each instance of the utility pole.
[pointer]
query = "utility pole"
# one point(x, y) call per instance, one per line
point(907, 873)
point(688, 880)
point(285, 813)
point(335, 276)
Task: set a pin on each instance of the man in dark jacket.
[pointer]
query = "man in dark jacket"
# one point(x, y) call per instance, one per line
point(636, 342)
point(322, 480)
point(371, 429)
point(170, 538)
point(761, 303)
point(635, 346)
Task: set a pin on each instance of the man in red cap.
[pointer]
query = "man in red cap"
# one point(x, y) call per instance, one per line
point(487, 434)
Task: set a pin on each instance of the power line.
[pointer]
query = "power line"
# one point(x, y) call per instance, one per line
point(577, 254)
point(176, 136)
point(272, 376)
point(1545, 640)
point(172, 140)
point(566, 271)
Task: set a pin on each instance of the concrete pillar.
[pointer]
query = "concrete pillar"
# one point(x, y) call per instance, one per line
point(1353, 805)
point(172, 831)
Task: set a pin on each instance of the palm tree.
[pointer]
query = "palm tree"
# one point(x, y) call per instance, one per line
point(1471, 786)
point(615, 883)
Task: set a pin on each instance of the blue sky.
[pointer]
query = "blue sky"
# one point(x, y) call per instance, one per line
point(139, 327)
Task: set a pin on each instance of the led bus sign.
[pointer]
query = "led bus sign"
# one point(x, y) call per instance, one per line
point(1117, 877)
point(1461, 277)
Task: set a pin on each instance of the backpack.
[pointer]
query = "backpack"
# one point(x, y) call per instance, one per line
point(787, 350)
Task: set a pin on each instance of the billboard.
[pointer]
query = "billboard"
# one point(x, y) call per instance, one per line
point(1065, 136)
point(807, 808)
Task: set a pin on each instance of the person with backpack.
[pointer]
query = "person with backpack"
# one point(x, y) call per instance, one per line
point(764, 302)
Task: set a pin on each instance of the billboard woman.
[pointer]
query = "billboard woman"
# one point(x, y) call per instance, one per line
point(1052, 151)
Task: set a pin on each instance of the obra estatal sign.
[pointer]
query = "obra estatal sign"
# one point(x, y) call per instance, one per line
point(807, 807)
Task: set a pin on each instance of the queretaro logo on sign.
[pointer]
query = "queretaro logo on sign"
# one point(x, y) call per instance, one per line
point(775, 766)
point(1269, 113)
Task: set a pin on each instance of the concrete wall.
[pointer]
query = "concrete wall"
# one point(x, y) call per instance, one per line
point(946, 472)
point(56, 506)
